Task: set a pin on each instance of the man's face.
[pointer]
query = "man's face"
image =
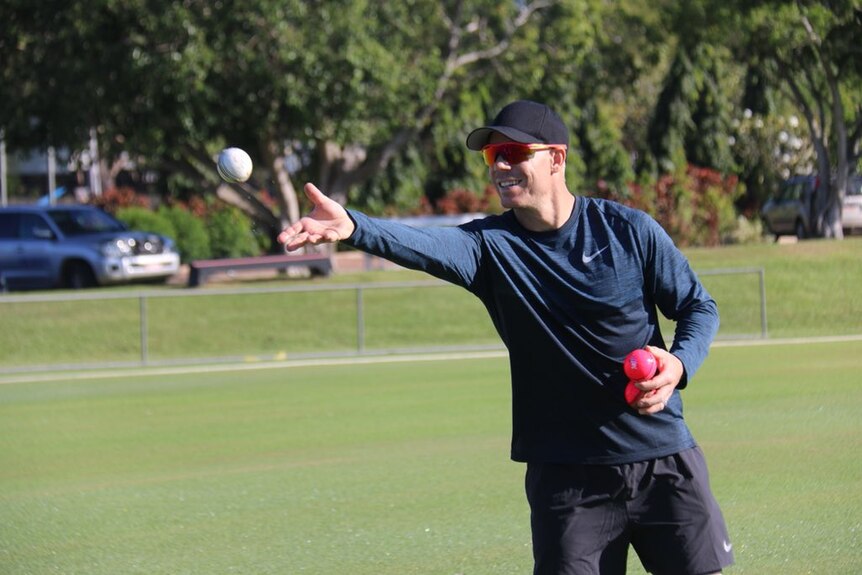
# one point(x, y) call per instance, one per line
point(526, 184)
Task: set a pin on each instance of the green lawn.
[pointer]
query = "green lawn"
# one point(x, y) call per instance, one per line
point(392, 468)
point(398, 467)
point(812, 289)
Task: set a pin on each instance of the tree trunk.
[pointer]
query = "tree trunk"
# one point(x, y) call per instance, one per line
point(288, 201)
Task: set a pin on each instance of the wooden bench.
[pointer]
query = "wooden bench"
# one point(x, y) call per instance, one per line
point(200, 270)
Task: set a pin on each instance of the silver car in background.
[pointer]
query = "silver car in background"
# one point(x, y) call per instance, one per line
point(77, 246)
point(851, 212)
point(788, 212)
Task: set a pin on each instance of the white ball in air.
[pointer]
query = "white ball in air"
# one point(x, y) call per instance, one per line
point(234, 165)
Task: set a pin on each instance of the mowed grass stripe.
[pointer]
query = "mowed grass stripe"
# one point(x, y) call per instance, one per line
point(386, 432)
point(393, 468)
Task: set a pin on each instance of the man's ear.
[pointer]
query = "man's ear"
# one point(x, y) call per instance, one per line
point(558, 160)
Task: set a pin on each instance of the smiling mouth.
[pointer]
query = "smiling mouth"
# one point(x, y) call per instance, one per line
point(508, 183)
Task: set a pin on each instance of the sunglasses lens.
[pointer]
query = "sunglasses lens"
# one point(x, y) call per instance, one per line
point(511, 153)
point(488, 155)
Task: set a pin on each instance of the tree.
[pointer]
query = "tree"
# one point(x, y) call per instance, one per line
point(372, 100)
point(691, 122)
point(326, 91)
point(811, 50)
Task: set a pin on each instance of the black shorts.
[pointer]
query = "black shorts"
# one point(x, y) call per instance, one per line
point(584, 517)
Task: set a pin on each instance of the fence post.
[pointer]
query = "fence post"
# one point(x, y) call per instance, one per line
point(763, 327)
point(143, 312)
point(360, 321)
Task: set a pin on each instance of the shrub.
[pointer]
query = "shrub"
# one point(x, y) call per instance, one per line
point(191, 236)
point(113, 200)
point(230, 233)
point(146, 220)
point(461, 201)
point(695, 207)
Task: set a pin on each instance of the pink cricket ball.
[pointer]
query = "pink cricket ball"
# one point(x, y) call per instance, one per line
point(639, 365)
point(631, 392)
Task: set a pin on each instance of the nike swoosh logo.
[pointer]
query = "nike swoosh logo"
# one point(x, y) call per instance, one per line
point(727, 546)
point(588, 258)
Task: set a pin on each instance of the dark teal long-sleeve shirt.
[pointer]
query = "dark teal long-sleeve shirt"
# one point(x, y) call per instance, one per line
point(569, 305)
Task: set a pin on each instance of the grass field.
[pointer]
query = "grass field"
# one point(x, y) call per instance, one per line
point(392, 465)
point(397, 467)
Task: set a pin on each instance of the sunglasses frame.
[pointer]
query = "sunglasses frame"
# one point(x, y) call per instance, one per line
point(524, 151)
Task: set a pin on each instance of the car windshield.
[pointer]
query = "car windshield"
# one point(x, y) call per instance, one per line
point(80, 222)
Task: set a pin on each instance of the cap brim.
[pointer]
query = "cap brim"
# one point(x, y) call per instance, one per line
point(479, 137)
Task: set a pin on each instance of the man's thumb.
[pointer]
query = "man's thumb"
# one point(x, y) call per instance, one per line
point(314, 194)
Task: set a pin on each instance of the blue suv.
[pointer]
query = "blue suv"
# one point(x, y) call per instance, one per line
point(77, 246)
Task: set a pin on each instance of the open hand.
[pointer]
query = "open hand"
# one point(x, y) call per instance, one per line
point(327, 222)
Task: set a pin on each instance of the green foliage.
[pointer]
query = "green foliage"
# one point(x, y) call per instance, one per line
point(210, 231)
point(606, 162)
point(399, 189)
point(692, 122)
point(401, 84)
point(146, 220)
point(230, 233)
point(191, 236)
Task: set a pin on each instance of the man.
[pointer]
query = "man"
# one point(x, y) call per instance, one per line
point(572, 285)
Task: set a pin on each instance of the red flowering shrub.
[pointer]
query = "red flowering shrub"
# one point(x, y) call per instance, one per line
point(695, 208)
point(461, 201)
point(114, 199)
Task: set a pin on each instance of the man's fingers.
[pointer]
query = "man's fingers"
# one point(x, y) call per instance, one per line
point(311, 237)
point(652, 402)
point(292, 237)
point(658, 354)
point(287, 235)
point(294, 242)
point(653, 409)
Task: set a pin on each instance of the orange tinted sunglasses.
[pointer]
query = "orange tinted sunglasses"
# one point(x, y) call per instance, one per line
point(515, 153)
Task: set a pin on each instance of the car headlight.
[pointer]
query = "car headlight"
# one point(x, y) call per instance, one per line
point(117, 248)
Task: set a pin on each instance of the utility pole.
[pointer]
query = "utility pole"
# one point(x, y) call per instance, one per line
point(52, 174)
point(4, 194)
point(95, 170)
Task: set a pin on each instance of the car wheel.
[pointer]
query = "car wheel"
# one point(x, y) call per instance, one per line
point(800, 230)
point(78, 275)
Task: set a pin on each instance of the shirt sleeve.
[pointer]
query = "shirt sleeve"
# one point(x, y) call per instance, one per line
point(448, 253)
point(681, 297)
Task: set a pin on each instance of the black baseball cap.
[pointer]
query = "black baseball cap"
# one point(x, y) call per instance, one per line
point(525, 122)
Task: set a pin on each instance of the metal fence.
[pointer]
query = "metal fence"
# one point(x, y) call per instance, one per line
point(760, 274)
point(440, 321)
